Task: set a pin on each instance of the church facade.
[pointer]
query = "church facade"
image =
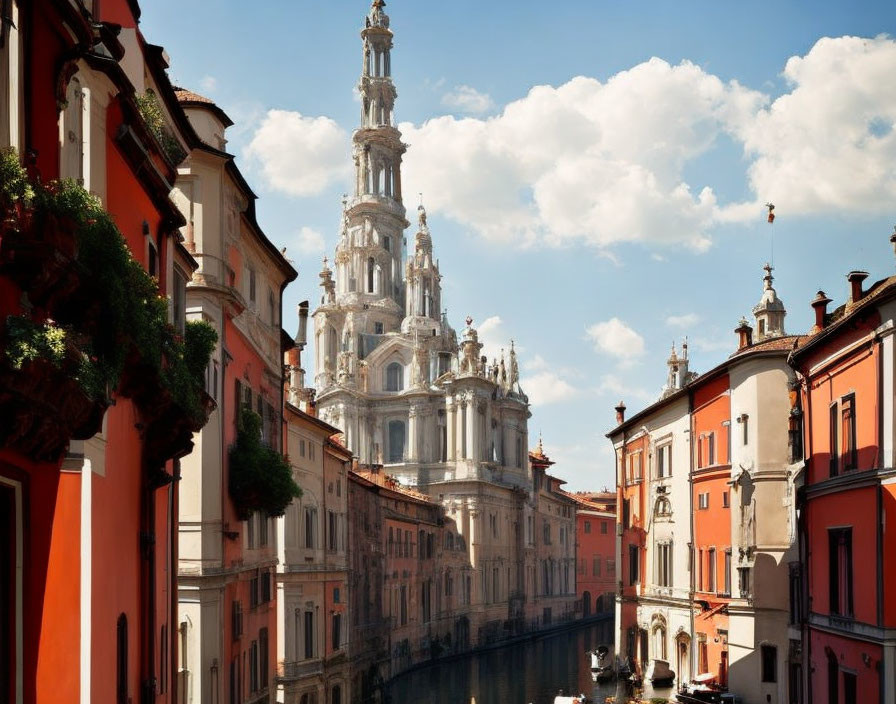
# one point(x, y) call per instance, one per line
point(415, 399)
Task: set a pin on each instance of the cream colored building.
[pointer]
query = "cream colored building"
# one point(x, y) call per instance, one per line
point(312, 572)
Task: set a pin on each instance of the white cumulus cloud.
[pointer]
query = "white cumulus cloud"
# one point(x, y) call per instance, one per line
point(546, 387)
point(829, 145)
point(467, 99)
point(309, 241)
point(616, 339)
point(299, 155)
point(585, 161)
point(685, 321)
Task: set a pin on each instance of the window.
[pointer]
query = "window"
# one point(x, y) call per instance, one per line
point(664, 461)
point(394, 377)
point(595, 566)
point(703, 500)
point(253, 666)
point(331, 531)
point(587, 526)
point(377, 328)
point(849, 688)
point(745, 427)
point(387, 243)
point(272, 309)
point(611, 567)
point(309, 635)
point(711, 452)
point(725, 499)
point(664, 565)
point(336, 595)
point(849, 454)
point(310, 515)
point(603, 527)
point(262, 529)
point(121, 640)
point(403, 602)
point(337, 631)
point(769, 655)
point(634, 467)
point(263, 658)
point(336, 694)
point(252, 286)
point(663, 507)
point(743, 582)
point(727, 587)
point(840, 565)
point(396, 441)
point(633, 565)
point(179, 300)
point(834, 444)
point(796, 593)
point(711, 569)
point(236, 619)
point(546, 530)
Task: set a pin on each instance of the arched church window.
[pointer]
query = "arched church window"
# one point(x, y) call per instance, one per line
point(396, 441)
point(394, 377)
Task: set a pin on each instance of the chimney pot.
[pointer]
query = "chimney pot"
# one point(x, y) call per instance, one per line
point(820, 305)
point(745, 334)
point(620, 413)
point(855, 279)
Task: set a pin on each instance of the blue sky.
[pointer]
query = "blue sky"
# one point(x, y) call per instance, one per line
point(611, 210)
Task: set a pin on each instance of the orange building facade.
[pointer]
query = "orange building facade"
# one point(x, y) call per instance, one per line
point(89, 478)
point(845, 592)
point(595, 552)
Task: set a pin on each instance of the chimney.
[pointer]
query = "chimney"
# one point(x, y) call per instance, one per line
point(745, 334)
point(820, 305)
point(620, 413)
point(855, 279)
point(302, 335)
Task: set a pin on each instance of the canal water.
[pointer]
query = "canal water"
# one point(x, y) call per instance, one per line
point(530, 671)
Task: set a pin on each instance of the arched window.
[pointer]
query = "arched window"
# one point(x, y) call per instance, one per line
point(371, 265)
point(663, 507)
point(394, 377)
point(396, 441)
point(336, 694)
point(121, 640)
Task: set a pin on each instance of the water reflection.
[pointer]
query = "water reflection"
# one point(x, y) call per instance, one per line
point(533, 671)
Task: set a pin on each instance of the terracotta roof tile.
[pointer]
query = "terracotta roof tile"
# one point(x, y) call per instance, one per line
point(188, 96)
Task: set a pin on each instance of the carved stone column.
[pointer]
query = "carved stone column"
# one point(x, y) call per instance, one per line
point(451, 434)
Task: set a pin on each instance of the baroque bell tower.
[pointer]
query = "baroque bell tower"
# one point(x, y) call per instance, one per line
point(369, 255)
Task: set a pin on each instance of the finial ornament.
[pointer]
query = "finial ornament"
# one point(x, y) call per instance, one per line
point(469, 320)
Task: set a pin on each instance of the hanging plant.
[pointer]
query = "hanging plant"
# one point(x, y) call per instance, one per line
point(260, 477)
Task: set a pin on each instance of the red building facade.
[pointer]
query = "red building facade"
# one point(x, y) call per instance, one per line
point(847, 588)
point(595, 552)
point(90, 442)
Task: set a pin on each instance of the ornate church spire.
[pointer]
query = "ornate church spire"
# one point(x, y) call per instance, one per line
point(770, 311)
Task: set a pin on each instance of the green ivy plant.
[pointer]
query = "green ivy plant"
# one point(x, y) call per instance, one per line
point(130, 314)
point(27, 341)
point(260, 477)
point(151, 111)
point(14, 185)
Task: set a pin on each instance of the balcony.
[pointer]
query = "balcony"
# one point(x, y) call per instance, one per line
point(293, 671)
